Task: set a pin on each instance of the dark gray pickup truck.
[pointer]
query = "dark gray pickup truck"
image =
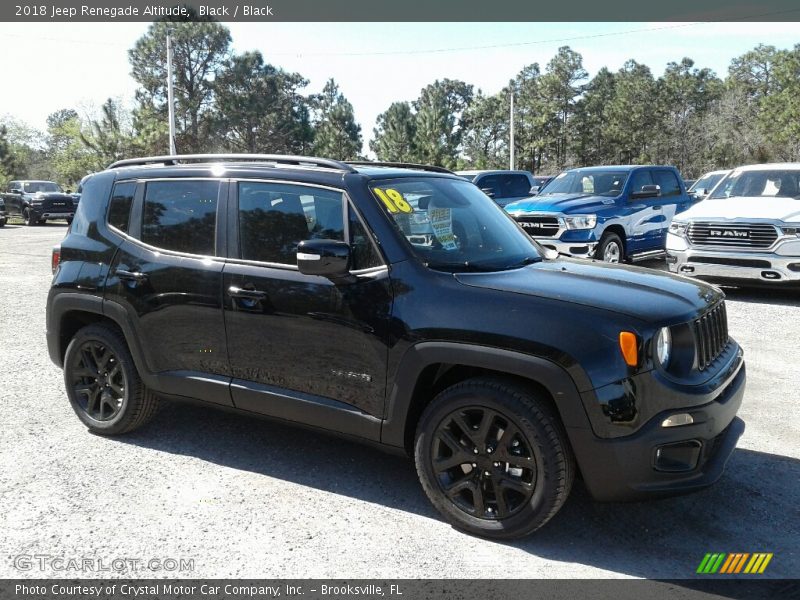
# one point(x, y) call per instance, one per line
point(38, 201)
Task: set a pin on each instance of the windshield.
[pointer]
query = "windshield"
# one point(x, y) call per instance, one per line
point(706, 183)
point(31, 187)
point(452, 226)
point(768, 183)
point(597, 183)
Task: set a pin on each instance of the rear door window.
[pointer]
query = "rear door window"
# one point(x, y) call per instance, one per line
point(181, 215)
point(668, 183)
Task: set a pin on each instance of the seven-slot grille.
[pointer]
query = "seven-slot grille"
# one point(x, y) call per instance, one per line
point(739, 235)
point(711, 335)
point(539, 226)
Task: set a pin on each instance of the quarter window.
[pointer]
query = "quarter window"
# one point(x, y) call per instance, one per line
point(181, 215)
point(119, 210)
point(364, 255)
point(275, 217)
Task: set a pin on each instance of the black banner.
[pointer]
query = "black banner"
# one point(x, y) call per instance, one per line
point(405, 11)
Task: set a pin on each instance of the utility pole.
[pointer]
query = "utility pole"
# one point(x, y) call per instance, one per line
point(170, 101)
point(511, 131)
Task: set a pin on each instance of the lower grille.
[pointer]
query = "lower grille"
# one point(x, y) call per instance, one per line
point(735, 235)
point(539, 226)
point(710, 335)
point(735, 262)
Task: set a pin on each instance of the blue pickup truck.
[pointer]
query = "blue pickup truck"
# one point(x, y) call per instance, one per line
point(614, 213)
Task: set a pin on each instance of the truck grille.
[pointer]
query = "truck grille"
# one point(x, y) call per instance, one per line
point(710, 335)
point(735, 235)
point(539, 226)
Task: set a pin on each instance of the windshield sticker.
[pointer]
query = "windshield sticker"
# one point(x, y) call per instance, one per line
point(393, 200)
point(442, 222)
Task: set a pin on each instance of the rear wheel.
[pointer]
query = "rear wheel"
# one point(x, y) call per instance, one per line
point(610, 249)
point(102, 383)
point(2, 222)
point(493, 458)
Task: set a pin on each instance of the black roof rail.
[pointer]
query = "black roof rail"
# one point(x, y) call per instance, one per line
point(399, 165)
point(300, 161)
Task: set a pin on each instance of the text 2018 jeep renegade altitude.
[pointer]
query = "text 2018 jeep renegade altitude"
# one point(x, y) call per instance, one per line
point(396, 305)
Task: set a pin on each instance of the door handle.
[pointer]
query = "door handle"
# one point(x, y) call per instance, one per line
point(131, 275)
point(237, 292)
point(657, 207)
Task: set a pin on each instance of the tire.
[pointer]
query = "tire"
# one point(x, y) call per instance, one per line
point(509, 474)
point(103, 385)
point(30, 220)
point(69, 221)
point(2, 222)
point(611, 249)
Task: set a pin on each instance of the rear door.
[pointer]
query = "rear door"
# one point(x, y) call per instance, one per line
point(167, 276)
point(302, 347)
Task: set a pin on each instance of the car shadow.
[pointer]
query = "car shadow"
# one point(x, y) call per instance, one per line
point(764, 295)
point(755, 507)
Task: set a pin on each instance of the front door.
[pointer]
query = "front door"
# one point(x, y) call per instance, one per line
point(645, 215)
point(298, 342)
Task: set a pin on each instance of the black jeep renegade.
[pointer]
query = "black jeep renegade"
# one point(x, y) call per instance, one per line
point(395, 304)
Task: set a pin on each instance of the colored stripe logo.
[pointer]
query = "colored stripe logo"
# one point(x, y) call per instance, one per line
point(733, 563)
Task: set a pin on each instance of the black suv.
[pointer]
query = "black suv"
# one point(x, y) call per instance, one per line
point(395, 304)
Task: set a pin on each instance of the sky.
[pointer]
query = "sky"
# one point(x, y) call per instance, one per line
point(79, 65)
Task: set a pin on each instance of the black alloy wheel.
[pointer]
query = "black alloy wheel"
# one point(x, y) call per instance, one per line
point(98, 381)
point(102, 382)
point(483, 463)
point(493, 457)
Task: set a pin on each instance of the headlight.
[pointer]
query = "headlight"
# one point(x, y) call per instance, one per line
point(678, 228)
point(663, 346)
point(581, 222)
point(791, 230)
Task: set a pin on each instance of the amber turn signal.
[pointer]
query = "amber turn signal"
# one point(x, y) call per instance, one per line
point(629, 347)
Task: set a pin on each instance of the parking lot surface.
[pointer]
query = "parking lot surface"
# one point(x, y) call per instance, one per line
point(249, 498)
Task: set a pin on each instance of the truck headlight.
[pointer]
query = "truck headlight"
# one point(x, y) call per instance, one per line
point(791, 231)
point(581, 222)
point(678, 228)
point(663, 346)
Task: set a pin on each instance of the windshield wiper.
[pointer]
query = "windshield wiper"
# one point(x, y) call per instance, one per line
point(455, 267)
point(528, 260)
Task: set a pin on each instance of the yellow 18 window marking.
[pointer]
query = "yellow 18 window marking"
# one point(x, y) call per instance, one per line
point(393, 200)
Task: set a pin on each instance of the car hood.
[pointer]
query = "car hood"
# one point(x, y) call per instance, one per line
point(50, 196)
point(747, 208)
point(651, 296)
point(563, 203)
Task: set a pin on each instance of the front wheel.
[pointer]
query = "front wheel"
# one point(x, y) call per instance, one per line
point(30, 218)
point(102, 383)
point(493, 458)
point(610, 249)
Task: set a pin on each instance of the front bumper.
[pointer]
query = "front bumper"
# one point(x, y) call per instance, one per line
point(40, 213)
point(663, 461)
point(576, 249)
point(782, 264)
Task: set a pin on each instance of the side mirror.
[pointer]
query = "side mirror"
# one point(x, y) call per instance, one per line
point(488, 191)
point(327, 258)
point(16, 191)
point(535, 190)
point(647, 191)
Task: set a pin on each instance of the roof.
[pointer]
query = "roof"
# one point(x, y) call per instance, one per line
point(619, 167)
point(787, 166)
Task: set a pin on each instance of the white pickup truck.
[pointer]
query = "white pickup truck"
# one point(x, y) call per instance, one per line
point(746, 230)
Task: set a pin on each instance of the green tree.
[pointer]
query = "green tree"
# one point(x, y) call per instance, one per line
point(779, 115)
point(8, 164)
point(590, 143)
point(337, 135)
point(395, 134)
point(486, 137)
point(258, 108)
point(69, 157)
point(633, 120)
point(109, 138)
point(440, 127)
point(561, 86)
point(200, 51)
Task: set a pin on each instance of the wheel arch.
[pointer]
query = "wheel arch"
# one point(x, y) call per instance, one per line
point(430, 367)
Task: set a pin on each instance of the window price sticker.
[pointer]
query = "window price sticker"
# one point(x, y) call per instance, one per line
point(442, 222)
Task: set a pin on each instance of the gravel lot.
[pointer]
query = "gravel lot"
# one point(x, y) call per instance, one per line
point(249, 498)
